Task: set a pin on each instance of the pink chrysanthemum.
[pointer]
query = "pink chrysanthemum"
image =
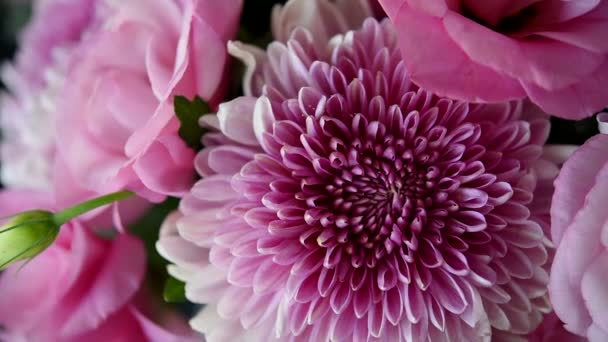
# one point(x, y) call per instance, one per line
point(341, 202)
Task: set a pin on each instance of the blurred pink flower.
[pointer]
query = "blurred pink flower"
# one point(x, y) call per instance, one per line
point(554, 51)
point(580, 231)
point(33, 81)
point(29, 108)
point(340, 201)
point(55, 24)
point(118, 100)
point(82, 288)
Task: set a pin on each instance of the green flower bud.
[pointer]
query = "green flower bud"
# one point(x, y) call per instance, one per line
point(26, 235)
point(29, 233)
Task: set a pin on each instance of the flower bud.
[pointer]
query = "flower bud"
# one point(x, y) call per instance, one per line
point(26, 235)
point(29, 233)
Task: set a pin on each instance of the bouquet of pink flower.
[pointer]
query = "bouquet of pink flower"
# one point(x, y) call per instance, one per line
point(306, 170)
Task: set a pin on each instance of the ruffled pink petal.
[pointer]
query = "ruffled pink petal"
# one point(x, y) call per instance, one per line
point(584, 32)
point(166, 67)
point(165, 166)
point(211, 58)
point(575, 101)
point(577, 250)
point(30, 288)
point(548, 64)
point(113, 286)
point(576, 179)
point(442, 56)
point(558, 56)
point(560, 12)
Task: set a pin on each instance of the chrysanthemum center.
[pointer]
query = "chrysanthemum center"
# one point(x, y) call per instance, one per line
point(377, 195)
point(371, 193)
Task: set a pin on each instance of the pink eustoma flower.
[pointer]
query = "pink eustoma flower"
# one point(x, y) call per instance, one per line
point(82, 288)
point(29, 108)
point(118, 101)
point(341, 202)
point(553, 51)
point(580, 231)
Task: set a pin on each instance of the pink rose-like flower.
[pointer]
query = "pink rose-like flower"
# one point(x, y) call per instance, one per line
point(82, 288)
point(118, 100)
point(554, 51)
point(54, 24)
point(580, 230)
point(339, 201)
point(27, 109)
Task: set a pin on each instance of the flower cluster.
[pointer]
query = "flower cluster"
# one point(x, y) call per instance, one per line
point(88, 112)
point(367, 170)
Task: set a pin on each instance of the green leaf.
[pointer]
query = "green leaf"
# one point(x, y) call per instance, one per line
point(175, 291)
point(188, 112)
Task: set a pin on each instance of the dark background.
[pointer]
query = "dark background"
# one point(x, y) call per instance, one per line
point(254, 29)
point(13, 15)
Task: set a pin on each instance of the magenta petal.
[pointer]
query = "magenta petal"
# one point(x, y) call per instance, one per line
point(448, 293)
point(559, 12)
point(114, 285)
point(585, 34)
point(476, 82)
point(546, 63)
point(576, 101)
point(555, 57)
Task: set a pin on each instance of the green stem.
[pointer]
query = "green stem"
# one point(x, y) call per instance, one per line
point(72, 212)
